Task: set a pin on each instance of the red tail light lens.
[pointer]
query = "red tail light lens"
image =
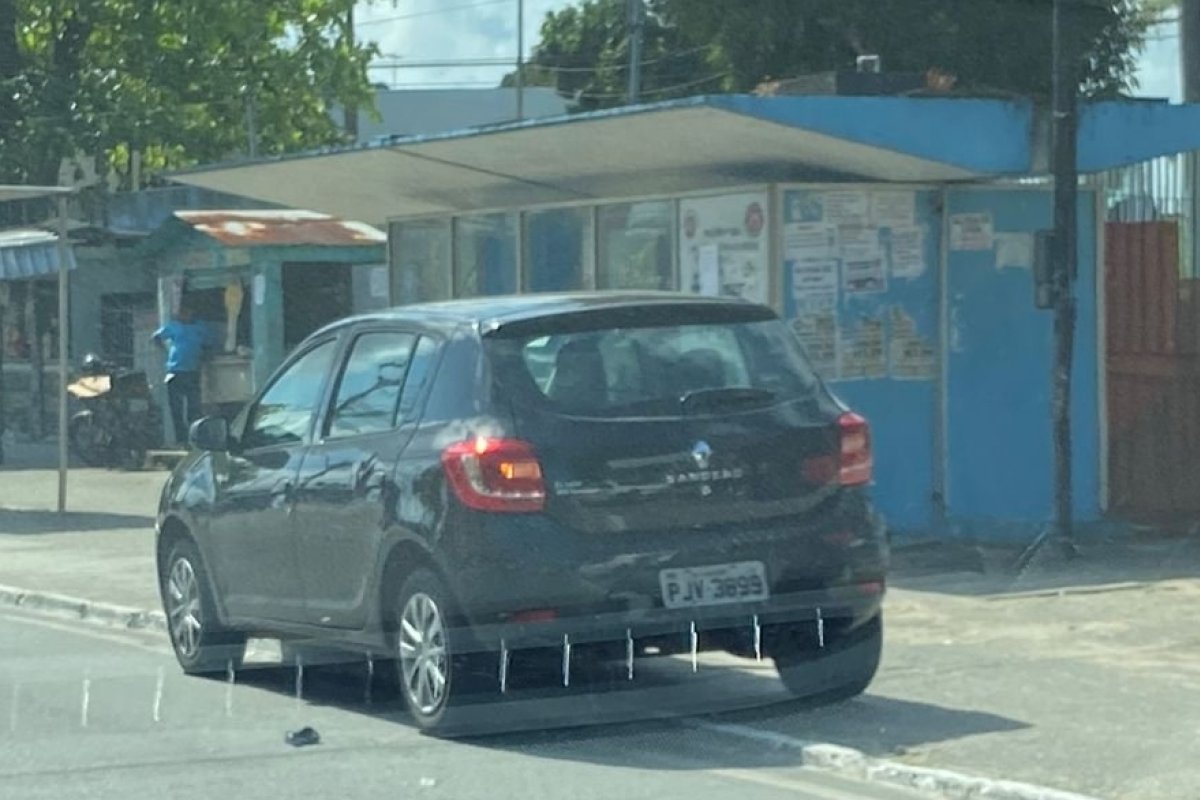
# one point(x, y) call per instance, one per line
point(857, 463)
point(495, 475)
point(853, 464)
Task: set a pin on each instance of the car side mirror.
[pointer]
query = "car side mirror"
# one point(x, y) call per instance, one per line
point(209, 433)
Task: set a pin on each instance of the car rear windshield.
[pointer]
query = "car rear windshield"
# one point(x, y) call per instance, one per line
point(652, 369)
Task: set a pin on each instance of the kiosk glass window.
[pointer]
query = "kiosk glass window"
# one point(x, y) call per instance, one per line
point(485, 255)
point(419, 251)
point(558, 250)
point(634, 246)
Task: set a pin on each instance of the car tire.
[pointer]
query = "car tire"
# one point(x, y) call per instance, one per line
point(805, 670)
point(433, 667)
point(201, 644)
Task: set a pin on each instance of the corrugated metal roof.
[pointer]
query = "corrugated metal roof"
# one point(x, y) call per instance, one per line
point(30, 253)
point(283, 227)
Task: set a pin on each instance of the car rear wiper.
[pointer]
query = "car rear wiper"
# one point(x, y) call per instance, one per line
point(727, 397)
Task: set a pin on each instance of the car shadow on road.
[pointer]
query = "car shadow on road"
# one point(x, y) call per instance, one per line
point(594, 719)
point(31, 523)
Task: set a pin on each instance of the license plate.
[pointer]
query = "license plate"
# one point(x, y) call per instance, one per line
point(139, 406)
point(716, 585)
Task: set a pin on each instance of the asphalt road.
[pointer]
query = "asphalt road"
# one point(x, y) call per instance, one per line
point(87, 712)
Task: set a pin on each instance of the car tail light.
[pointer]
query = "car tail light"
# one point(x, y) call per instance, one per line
point(853, 464)
point(495, 475)
point(857, 463)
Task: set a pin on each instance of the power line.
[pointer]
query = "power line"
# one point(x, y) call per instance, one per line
point(529, 65)
point(655, 92)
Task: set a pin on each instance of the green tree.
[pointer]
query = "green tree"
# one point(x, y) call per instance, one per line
point(692, 46)
point(988, 45)
point(584, 53)
point(176, 80)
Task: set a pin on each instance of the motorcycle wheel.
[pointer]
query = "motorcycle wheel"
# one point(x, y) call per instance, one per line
point(89, 440)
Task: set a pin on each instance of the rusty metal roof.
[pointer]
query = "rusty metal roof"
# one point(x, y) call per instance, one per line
point(280, 228)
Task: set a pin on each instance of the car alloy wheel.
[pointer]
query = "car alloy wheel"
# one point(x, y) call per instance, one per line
point(185, 612)
point(424, 655)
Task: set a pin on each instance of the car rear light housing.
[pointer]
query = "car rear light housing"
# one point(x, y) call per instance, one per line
point(853, 465)
point(857, 463)
point(492, 474)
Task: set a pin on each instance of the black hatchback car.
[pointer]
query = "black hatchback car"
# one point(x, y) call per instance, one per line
point(605, 474)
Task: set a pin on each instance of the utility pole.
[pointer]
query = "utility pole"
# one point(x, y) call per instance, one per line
point(520, 59)
point(1189, 51)
point(251, 124)
point(350, 112)
point(637, 23)
point(1065, 254)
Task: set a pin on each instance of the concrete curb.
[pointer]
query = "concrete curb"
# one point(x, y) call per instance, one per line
point(853, 763)
point(85, 610)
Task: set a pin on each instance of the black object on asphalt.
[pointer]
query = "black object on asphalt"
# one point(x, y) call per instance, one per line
point(302, 737)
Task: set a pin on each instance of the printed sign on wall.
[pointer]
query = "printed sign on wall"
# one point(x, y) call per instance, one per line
point(737, 226)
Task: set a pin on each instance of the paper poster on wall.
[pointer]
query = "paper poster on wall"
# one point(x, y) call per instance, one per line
point(906, 251)
point(737, 226)
point(910, 356)
point(378, 282)
point(709, 261)
point(861, 277)
point(805, 240)
point(893, 208)
point(860, 243)
point(862, 353)
point(812, 275)
point(815, 302)
point(818, 334)
point(259, 289)
point(1014, 251)
point(846, 207)
point(971, 232)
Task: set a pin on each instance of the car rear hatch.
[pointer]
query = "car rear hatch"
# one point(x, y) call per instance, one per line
point(679, 416)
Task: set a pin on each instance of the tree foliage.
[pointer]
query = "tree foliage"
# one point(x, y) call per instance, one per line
point(987, 45)
point(584, 52)
point(175, 80)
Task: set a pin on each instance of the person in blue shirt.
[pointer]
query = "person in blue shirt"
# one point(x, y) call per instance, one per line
point(185, 340)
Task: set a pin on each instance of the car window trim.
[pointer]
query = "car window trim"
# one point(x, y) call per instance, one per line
point(347, 350)
point(306, 348)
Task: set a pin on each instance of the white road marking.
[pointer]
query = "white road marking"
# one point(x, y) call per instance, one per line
point(158, 694)
point(92, 632)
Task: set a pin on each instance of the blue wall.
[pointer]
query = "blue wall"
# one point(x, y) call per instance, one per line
point(1000, 355)
point(900, 409)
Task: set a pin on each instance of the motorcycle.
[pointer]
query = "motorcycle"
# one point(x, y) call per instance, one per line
point(119, 421)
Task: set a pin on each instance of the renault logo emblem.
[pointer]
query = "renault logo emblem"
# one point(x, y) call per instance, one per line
point(701, 454)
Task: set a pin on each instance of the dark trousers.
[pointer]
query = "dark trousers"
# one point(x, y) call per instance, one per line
point(183, 394)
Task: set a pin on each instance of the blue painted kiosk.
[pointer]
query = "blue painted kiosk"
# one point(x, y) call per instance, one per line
point(263, 280)
point(895, 234)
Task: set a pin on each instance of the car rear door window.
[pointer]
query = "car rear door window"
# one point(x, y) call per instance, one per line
point(368, 392)
point(653, 370)
point(284, 414)
point(424, 359)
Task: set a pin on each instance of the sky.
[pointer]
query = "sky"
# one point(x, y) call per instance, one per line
point(428, 33)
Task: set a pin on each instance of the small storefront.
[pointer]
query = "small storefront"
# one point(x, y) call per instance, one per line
point(262, 280)
point(29, 330)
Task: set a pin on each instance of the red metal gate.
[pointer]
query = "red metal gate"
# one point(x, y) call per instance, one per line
point(1153, 360)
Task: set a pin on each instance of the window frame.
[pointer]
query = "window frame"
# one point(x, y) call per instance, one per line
point(321, 430)
point(246, 422)
point(329, 411)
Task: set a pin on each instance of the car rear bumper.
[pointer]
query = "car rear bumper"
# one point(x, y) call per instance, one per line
point(526, 579)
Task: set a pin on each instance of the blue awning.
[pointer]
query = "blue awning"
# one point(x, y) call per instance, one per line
point(30, 254)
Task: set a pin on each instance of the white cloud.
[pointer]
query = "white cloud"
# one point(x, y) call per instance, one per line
point(1158, 68)
point(421, 31)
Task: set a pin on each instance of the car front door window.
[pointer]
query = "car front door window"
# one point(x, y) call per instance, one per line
point(284, 413)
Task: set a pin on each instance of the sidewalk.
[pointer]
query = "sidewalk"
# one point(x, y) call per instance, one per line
point(1084, 677)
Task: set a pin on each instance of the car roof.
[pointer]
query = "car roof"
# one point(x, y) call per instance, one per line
point(493, 312)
